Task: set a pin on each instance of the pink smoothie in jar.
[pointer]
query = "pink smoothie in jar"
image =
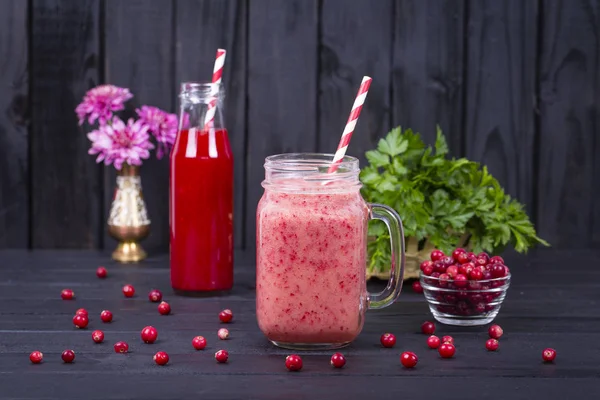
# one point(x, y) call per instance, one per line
point(311, 249)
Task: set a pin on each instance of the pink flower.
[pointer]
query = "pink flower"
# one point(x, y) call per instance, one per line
point(119, 143)
point(162, 125)
point(100, 102)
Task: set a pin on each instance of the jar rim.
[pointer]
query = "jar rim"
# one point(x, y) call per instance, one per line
point(295, 161)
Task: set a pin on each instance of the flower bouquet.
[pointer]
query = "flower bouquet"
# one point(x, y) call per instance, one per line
point(124, 145)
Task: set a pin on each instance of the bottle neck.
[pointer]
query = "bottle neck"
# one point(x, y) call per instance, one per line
point(201, 106)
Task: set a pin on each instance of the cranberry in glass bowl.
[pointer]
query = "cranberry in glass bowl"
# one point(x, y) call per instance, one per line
point(466, 300)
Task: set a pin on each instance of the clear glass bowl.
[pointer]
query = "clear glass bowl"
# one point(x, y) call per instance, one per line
point(464, 303)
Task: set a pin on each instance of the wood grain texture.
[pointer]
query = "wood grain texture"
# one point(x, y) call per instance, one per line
point(203, 26)
point(500, 92)
point(34, 317)
point(139, 55)
point(569, 123)
point(282, 88)
point(427, 79)
point(14, 101)
point(65, 181)
point(355, 41)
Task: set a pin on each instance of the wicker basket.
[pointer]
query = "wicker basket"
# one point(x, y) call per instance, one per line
point(414, 258)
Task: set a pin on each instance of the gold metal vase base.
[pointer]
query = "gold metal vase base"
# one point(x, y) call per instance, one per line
point(128, 219)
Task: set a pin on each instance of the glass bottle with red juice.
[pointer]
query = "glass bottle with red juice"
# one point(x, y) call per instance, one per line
point(201, 195)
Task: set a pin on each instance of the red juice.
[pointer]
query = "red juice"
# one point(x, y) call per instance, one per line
point(201, 211)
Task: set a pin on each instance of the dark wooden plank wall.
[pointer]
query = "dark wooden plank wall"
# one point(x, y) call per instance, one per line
point(514, 84)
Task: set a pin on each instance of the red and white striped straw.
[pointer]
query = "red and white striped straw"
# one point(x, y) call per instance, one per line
point(216, 78)
point(351, 124)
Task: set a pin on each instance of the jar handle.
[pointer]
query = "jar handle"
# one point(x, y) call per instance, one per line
point(394, 224)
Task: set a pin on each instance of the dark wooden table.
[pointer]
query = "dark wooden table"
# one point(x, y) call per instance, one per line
point(554, 301)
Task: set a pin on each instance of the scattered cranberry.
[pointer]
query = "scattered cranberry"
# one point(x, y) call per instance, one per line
point(164, 308)
point(548, 355)
point(199, 342)
point(293, 362)
point(436, 255)
point(457, 252)
point(67, 294)
point(338, 360)
point(496, 260)
point(447, 350)
point(101, 272)
point(121, 347)
point(98, 336)
point(149, 334)
point(36, 357)
point(452, 271)
point(221, 356)
point(226, 316)
point(68, 356)
point(106, 316)
point(426, 264)
point(433, 342)
point(492, 344)
point(476, 274)
point(388, 340)
point(223, 333)
point(495, 331)
point(416, 287)
point(81, 311)
point(460, 281)
point(408, 359)
point(128, 290)
point(154, 296)
point(447, 339)
point(161, 358)
point(80, 321)
point(498, 271)
point(428, 270)
point(428, 327)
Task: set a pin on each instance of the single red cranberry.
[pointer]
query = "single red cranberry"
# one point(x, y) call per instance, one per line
point(409, 359)
point(458, 251)
point(36, 357)
point(495, 331)
point(199, 342)
point(128, 290)
point(161, 358)
point(466, 268)
point(447, 350)
point(223, 333)
point(433, 342)
point(98, 336)
point(462, 258)
point(68, 356)
point(443, 280)
point(492, 344)
point(498, 271)
point(106, 316)
point(496, 260)
point(427, 271)
point(222, 356)
point(149, 334)
point(506, 270)
point(80, 321)
point(101, 272)
point(448, 339)
point(121, 347)
point(452, 271)
point(439, 267)
point(460, 281)
point(388, 340)
point(425, 264)
point(483, 254)
point(81, 311)
point(416, 287)
point(226, 316)
point(164, 308)
point(154, 296)
point(293, 362)
point(548, 355)
point(436, 255)
point(447, 261)
point(338, 360)
point(67, 294)
point(428, 327)
point(482, 262)
point(487, 275)
point(476, 274)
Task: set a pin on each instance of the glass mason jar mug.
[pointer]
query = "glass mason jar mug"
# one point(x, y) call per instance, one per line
point(311, 252)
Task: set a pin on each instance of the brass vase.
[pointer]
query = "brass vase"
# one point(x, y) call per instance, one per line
point(128, 219)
